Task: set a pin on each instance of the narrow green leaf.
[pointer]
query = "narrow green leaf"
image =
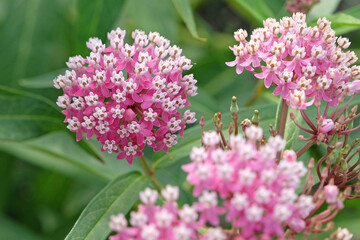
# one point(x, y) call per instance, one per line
point(59, 152)
point(192, 136)
point(277, 114)
point(345, 21)
point(184, 9)
point(278, 7)
point(203, 103)
point(117, 197)
point(215, 86)
point(11, 230)
point(6, 172)
point(291, 130)
point(150, 17)
point(96, 19)
point(24, 116)
point(254, 10)
point(41, 81)
point(322, 8)
point(38, 36)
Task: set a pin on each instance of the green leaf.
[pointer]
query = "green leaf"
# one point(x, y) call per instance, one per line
point(117, 197)
point(184, 9)
point(25, 115)
point(150, 16)
point(322, 8)
point(41, 81)
point(345, 21)
point(254, 10)
point(203, 103)
point(6, 171)
point(192, 136)
point(59, 152)
point(36, 30)
point(175, 176)
point(291, 130)
point(11, 230)
point(96, 19)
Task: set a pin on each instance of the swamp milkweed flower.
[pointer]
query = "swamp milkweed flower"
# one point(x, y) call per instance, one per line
point(306, 64)
point(128, 95)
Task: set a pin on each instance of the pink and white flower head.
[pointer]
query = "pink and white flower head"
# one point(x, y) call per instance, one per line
point(257, 193)
point(306, 64)
point(157, 222)
point(129, 96)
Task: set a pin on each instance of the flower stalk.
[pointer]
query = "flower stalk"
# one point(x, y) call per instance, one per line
point(283, 117)
point(150, 172)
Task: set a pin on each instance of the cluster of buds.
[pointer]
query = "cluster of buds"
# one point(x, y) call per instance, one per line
point(300, 5)
point(306, 64)
point(128, 95)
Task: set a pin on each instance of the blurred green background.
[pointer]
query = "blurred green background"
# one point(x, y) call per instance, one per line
point(46, 178)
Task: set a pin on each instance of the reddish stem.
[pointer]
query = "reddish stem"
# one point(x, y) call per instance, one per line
point(307, 120)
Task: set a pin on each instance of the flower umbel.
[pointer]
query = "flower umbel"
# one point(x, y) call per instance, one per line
point(306, 64)
point(128, 95)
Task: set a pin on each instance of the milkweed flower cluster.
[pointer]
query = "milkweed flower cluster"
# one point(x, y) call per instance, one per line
point(128, 95)
point(258, 193)
point(243, 182)
point(306, 64)
point(152, 222)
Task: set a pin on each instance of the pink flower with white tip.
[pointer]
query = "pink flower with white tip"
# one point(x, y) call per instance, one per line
point(152, 222)
point(306, 64)
point(128, 95)
point(258, 194)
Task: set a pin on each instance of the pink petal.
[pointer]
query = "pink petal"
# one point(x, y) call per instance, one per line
point(161, 131)
point(232, 64)
point(136, 98)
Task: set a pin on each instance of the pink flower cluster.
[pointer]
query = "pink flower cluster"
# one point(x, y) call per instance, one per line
point(246, 184)
point(152, 222)
point(306, 64)
point(258, 194)
point(128, 95)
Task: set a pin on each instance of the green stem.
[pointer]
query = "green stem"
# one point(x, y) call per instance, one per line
point(150, 173)
point(282, 120)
